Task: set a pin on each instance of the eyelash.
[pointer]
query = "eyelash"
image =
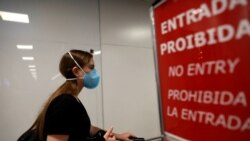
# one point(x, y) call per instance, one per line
point(92, 67)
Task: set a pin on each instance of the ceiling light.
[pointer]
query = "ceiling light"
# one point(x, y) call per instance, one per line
point(33, 70)
point(24, 46)
point(33, 73)
point(32, 66)
point(97, 52)
point(14, 17)
point(28, 58)
point(34, 76)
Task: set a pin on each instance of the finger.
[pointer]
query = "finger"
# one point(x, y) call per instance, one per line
point(130, 134)
point(113, 138)
point(109, 131)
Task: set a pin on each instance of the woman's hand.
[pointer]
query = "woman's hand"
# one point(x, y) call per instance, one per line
point(124, 136)
point(109, 136)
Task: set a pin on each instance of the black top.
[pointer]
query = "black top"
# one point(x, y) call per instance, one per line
point(67, 116)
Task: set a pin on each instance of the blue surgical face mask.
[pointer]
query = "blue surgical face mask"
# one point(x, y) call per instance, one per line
point(90, 79)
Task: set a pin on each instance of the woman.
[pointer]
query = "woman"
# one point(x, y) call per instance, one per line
point(64, 118)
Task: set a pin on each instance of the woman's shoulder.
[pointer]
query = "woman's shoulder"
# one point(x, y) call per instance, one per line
point(65, 99)
point(65, 96)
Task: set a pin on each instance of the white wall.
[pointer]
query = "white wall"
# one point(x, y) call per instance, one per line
point(129, 85)
point(127, 96)
point(55, 27)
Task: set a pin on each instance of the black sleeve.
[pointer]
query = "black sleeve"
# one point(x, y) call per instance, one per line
point(60, 115)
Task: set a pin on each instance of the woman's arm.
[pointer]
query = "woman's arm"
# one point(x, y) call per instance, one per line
point(123, 136)
point(93, 130)
point(57, 138)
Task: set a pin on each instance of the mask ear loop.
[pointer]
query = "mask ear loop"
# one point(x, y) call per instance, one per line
point(76, 64)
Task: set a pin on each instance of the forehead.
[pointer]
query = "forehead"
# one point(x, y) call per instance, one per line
point(91, 61)
point(91, 64)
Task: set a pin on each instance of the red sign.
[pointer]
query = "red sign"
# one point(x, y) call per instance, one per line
point(203, 52)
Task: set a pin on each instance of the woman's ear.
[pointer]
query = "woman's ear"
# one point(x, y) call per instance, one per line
point(76, 71)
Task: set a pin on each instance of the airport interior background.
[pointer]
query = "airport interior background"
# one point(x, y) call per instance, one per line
point(120, 33)
point(171, 69)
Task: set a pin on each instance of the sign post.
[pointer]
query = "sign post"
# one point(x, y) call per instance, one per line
point(202, 51)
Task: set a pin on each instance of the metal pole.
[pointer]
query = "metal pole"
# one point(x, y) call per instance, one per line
point(157, 73)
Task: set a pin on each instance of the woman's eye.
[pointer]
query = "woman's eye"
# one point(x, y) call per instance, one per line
point(91, 67)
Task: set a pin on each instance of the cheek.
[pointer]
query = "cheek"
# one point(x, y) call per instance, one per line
point(81, 74)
